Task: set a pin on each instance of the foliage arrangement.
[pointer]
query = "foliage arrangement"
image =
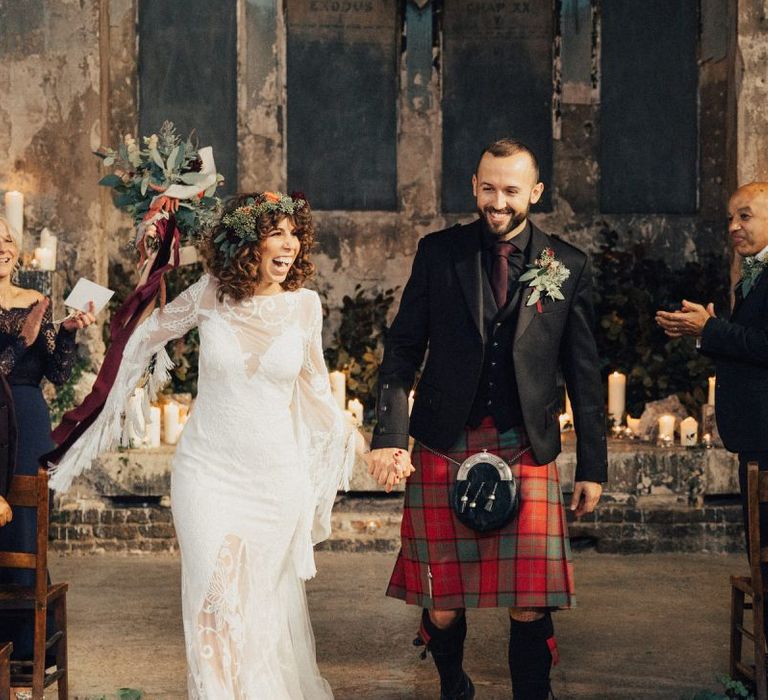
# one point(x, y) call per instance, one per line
point(357, 347)
point(732, 690)
point(64, 398)
point(630, 287)
point(144, 172)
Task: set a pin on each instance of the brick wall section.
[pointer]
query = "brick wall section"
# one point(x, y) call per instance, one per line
point(97, 529)
point(364, 525)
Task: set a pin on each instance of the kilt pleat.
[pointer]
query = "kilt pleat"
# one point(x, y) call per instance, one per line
point(443, 564)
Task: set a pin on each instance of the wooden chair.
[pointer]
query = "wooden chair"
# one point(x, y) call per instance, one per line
point(5, 670)
point(32, 492)
point(753, 586)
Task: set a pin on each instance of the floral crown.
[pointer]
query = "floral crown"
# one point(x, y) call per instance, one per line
point(242, 222)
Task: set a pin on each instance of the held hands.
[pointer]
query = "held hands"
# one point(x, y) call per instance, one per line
point(80, 319)
point(690, 320)
point(389, 466)
point(6, 514)
point(586, 494)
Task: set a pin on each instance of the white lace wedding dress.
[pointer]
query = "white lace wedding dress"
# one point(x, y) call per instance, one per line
point(254, 478)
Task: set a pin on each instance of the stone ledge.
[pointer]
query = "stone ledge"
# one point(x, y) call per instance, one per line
point(634, 468)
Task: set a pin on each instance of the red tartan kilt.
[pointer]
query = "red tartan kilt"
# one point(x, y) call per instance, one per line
point(444, 564)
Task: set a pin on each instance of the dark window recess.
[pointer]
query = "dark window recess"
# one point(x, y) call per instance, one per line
point(188, 74)
point(497, 82)
point(648, 111)
point(342, 103)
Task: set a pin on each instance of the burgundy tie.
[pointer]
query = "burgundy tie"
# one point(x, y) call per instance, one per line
point(500, 272)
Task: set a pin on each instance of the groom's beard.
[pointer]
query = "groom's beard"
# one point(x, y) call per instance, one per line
point(516, 218)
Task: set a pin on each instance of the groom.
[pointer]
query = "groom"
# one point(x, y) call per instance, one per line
point(490, 381)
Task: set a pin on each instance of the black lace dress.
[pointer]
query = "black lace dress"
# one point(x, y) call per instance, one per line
point(51, 356)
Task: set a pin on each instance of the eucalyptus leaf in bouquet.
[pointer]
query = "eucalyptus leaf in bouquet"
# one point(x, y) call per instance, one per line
point(160, 177)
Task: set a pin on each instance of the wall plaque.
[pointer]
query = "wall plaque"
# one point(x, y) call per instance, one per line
point(187, 74)
point(497, 81)
point(342, 102)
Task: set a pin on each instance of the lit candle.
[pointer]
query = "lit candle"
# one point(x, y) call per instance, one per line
point(617, 392)
point(14, 211)
point(183, 415)
point(634, 425)
point(153, 427)
point(689, 431)
point(411, 399)
point(356, 409)
point(49, 242)
point(711, 395)
point(45, 259)
point(171, 422)
point(339, 388)
point(666, 427)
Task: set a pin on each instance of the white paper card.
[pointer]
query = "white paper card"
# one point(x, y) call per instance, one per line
point(86, 291)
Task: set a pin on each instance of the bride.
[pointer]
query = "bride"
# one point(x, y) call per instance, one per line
point(260, 460)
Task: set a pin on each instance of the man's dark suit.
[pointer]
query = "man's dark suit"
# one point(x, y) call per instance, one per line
point(443, 312)
point(739, 348)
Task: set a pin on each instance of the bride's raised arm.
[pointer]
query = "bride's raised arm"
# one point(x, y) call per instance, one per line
point(148, 340)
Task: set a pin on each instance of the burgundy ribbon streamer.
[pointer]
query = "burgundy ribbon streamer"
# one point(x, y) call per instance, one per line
point(124, 322)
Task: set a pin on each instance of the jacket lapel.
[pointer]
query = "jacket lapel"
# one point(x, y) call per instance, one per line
point(758, 291)
point(539, 241)
point(467, 258)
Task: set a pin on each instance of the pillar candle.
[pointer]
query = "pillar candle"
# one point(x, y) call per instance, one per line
point(44, 259)
point(634, 425)
point(356, 409)
point(666, 427)
point(711, 395)
point(339, 388)
point(49, 242)
point(689, 430)
point(14, 211)
point(617, 391)
point(153, 427)
point(171, 422)
point(411, 399)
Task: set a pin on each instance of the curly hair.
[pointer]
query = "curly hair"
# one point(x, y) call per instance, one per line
point(239, 276)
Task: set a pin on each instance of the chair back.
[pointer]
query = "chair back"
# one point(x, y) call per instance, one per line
point(31, 492)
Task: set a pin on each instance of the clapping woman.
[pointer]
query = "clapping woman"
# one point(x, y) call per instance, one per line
point(30, 349)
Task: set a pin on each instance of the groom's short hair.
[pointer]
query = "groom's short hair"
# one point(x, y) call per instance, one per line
point(509, 147)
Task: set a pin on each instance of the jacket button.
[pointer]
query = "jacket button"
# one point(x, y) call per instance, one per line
point(383, 408)
point(385, 386)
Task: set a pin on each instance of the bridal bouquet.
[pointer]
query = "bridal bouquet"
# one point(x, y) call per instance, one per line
point(161, 177)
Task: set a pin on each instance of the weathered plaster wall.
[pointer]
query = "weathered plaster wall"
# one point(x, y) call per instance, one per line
point(49, 123)
point(752, 91)
point(54, 59)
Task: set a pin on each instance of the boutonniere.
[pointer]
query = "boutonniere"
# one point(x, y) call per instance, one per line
point(751, 269)
point(545, 277)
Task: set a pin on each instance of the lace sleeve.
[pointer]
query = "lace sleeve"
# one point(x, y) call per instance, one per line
point(60, 349)
point(326, 438)
point(148, 340)
point(10, 355)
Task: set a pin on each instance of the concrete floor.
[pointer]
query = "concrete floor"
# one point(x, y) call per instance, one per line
point(647, 626)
